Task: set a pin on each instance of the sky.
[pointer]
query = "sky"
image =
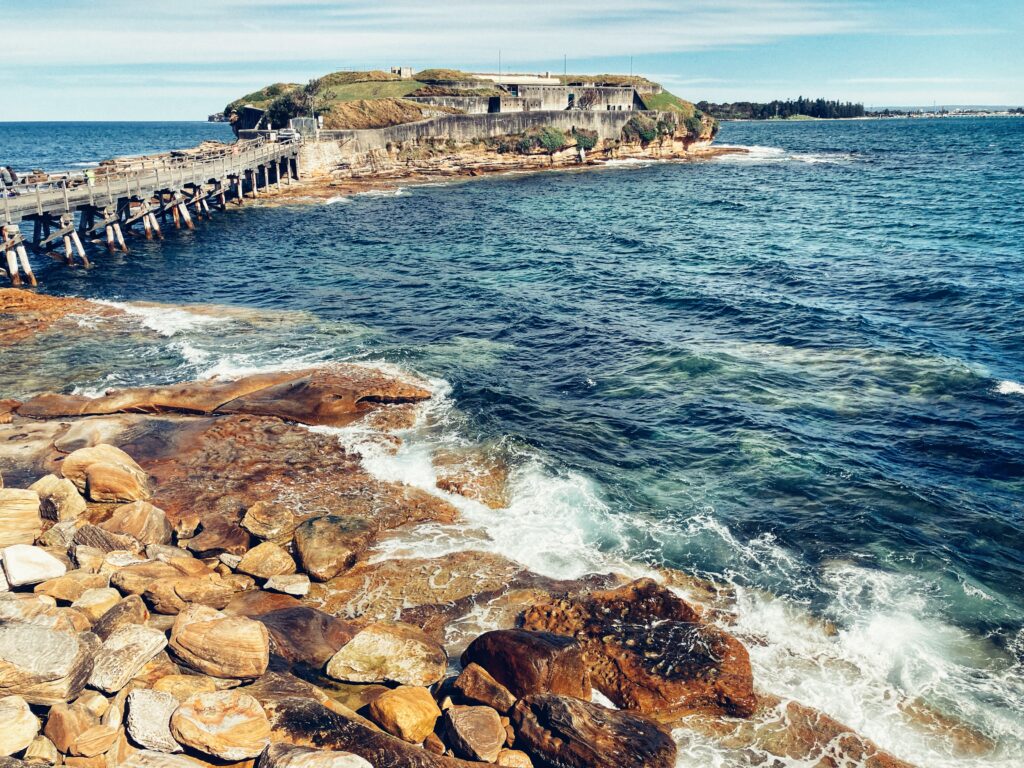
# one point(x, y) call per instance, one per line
point(116, 60)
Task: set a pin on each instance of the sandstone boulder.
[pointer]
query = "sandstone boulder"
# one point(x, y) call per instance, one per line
point(64, 724)
point(476, 686)
point(25, 565)
point(290, 584)
point(306, 635)
point(124, 654)
point(72, 585)
point(328, 545)
point(230, 725)
point(18, 726)
point(94, 603)
point(474, 732)
point(145, 758)
point(140, 520)
point(408, 712)
point(94, 537)
point(149, 719)
point(19, 516)
point(564, 731)
point(105, 473)
point(647, 650)
point(41, 752)
point(171, 595)
point(130, 610)
point(289, 756)
point(59, 499)
point(182, 687)
point(513, 758)
point(390, 652)
point(135, 579)
point(44, 666)
point(220, 646)
point(266, 560)
point(531, 662)
point(93, 741)
point(271, 522)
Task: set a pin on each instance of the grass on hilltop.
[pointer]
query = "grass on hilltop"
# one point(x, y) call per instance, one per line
point(667, 102)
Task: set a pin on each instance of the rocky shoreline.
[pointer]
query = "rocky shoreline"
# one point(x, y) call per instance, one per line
point(191, 576)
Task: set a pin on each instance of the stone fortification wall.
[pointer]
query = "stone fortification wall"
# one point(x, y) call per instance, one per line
point(554, 97)
point(463, 129)
point(471, 105)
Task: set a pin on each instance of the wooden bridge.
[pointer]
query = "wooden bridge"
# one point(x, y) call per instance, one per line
point(68, 211)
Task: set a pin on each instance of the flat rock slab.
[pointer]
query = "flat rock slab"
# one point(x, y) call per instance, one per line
point(390, 652)
point(20, 522)
point(149, 719)
point(25, 564)
point(474, 732)
point(44, 666)
point(19, 726)
point(124, 654)
point(289, 756)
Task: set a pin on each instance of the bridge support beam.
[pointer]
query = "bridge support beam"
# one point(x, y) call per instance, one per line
point(14, 251)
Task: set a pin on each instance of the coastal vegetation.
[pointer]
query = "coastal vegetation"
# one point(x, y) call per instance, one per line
point(783, 110)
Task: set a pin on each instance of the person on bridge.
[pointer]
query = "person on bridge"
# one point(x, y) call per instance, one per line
point(9, 178)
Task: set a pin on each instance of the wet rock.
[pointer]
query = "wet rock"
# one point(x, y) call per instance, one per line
point(94, 603)
point(72, 585)
point(295, 584)
point(288, 756)
point(787, 732)
point(128, 611)
point(19, 516)
point(565, 731)
point(220, 646)
point(390, 652)
point(477, 686)
point(266, 560)
point(271, 522)
point(531, 662)
point(25, 565)
point(257, 602)
point(58, 498)
point(123, 655)
point(140, 520)
point(473, 474)
point(474, 732)
point(45, 666)
point(647, 650)
point(149, 719)
point(18, 726)
point(408, 712)
point(219, 535)
point(230, 725)
point(306, 635)
point(105, 473)
point(328, 545)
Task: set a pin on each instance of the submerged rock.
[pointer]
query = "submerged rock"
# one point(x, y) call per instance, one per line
point(328, 545)
point(648, 650)
point(570, 733)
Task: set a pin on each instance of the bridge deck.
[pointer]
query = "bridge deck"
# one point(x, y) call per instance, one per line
point(139, 180)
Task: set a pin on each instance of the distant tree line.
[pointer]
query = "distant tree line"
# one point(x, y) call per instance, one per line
point(752, 110)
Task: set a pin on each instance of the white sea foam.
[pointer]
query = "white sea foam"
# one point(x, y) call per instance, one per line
point(337, 199)
point(756, 154)
point(1008, 387)
point(165, 319)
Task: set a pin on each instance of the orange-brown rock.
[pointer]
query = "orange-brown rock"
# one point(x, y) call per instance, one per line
point(219, 645)
point(94, 537)
point(182, 687)
point(289, 756)
point(20, 522)
point(230, 725)
point(94, 603)
point(135, 579)
point(171, 595)
point(474, 732)
point(266, 560)
point(64, 724)
point(130, 610)
point(106, 473)
point(271, 522)
point(570, 733)
point(72, 585)
point(408, 712)
point(59, 499)
point(789, 732)
point(527, 662)
point(331, 395)
point(42, 665)
point(305, 635)
point(328, 545)
point(476, 686)
point(140, 520)
point(647, 650)
point(389, 651)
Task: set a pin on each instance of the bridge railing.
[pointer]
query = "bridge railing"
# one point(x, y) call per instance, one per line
point(138, 178)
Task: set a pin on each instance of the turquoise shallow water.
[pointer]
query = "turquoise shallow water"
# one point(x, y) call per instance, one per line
point(800, 370)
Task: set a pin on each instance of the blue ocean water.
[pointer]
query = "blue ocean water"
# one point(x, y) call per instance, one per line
point(799, 370)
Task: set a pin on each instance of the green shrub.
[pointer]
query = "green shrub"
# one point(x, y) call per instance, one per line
point(585, 140)
point(666, 125)
point(694, 126)
point(552, 139)
point(640, 128)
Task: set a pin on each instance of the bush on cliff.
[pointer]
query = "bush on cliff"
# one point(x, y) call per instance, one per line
point(585, 140)
point(694, 126)
point(552, 139)
point(640, 128)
